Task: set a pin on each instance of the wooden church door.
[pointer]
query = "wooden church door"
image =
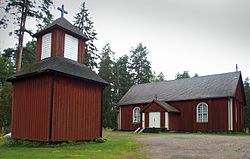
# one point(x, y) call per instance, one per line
point(154, 119)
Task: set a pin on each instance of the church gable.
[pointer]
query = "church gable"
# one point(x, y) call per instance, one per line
point(159, 106)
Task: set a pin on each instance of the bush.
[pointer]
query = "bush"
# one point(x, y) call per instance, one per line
point(1, 137)
point(100, 140)
point(247, 131)
point(10, 142)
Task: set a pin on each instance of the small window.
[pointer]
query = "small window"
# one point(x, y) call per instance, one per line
point(71, 47)
point(46, 46)
point(202, 112)
point(136, 115)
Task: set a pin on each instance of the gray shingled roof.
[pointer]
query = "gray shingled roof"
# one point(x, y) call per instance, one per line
point(63, 24)
point(212, 86)
point(60, 65)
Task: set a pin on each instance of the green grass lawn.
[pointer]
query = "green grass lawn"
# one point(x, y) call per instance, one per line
point(112, 148)
point(120, 144)
point(131, 134)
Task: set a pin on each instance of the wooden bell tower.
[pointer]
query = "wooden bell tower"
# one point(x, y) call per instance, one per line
point(58, 98)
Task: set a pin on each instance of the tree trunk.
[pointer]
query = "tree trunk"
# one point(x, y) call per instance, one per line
point(20, 38)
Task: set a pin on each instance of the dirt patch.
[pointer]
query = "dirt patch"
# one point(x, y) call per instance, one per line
point(196, 147)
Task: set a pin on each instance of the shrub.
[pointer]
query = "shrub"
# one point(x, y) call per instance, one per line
point(100, 140)
point(10, 142)
point(247, 131)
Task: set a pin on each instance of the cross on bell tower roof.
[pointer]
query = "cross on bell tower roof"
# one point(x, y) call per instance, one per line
point(62, 10)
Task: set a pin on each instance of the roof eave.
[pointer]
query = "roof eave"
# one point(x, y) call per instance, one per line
point(83, 37)
point(15, 78)
point(132, 103)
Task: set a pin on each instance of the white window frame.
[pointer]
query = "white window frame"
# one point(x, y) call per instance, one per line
point(202, 113)
point(46, 46)
point(136, 115)
point(71, 47)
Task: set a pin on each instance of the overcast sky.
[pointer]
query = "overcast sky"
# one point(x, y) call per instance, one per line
point(200, 36)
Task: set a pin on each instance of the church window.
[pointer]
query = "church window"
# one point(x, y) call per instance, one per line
point(136, 115)
point(202, 112)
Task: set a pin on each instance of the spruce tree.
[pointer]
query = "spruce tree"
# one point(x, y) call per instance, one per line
point(140, 67)
point(123, 76)
point(121, 83)
point(106, 72)
point(160, 77)
point(84, 23)
point(185, 74)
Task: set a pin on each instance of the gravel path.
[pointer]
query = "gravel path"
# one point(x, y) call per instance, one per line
point(196, 147)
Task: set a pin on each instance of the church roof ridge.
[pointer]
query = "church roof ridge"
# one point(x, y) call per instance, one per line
point(210, 86)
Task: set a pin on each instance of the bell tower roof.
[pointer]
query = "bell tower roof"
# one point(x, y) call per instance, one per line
point(62, 23)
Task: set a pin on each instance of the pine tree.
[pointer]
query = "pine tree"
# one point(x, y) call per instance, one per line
point(123, 78)
point(140, 67)
point(29, 54)
point(20, 11)
point(121, 83)
point(5, 106)
point(84, 23)
point(106, 72)
point(196, 75)
point(6, 69)
point(185, 74)
point(7, 64)
point(160, 77)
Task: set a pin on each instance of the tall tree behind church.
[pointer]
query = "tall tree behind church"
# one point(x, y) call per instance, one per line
point(7, 64)
point(84, 23)
point(17, 12)
point(140, 67)
point(106, 72)
point(185, 74)
point(6, 69)
point(121, 83)
point(122, 77)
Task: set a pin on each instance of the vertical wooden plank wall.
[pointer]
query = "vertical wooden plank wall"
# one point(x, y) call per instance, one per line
point(76, 110)
point(30, 108)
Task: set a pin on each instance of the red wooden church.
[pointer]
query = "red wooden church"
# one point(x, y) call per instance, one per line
point(207, 103)
point(58, 98)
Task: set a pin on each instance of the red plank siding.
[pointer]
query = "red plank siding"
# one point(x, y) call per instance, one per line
point(81, 51)
point(30, 108)
point(217, 115)
point(76, 110)
point(238, 104)
point(147, 119)
point(162, 116)
point(127, 117)
point(186, 119)
point(58, 40)
point(38, 49)
point(154, 107)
